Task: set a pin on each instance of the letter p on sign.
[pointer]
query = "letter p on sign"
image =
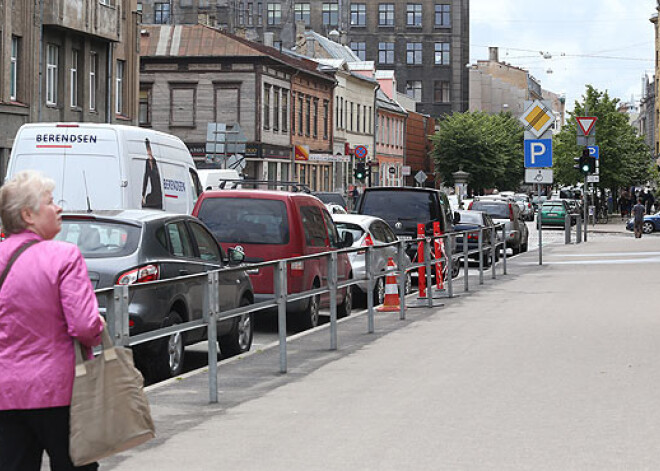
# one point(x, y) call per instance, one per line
point(538, 153)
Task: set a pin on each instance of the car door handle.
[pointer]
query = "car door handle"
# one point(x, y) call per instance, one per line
point(184, 272)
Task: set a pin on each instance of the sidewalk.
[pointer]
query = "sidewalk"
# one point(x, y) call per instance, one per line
point(552, 367)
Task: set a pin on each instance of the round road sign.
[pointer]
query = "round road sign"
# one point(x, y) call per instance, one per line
point(360, 152)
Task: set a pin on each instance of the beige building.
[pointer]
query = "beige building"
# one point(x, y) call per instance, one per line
point(656, 137)
point(67, 60)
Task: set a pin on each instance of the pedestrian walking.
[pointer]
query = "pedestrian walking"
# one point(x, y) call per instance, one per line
point(46, 300)
point(638, 216)
point(650, 200)
point(624, 203)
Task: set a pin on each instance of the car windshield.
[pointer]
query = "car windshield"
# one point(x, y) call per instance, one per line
point(354, 229)
point(246, 220)
point(469, 217)
point(495, 210)
point(100, 239)
point(400, 205)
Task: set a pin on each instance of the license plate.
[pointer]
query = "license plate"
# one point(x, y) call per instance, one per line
point(404, 237)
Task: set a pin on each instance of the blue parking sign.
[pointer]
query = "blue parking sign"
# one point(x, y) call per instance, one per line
point(538, 153)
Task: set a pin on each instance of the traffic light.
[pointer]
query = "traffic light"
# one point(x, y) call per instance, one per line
point(584, 161)
point(592, 163)
point(360, 171)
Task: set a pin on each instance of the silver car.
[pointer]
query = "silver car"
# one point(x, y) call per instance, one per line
point(370, 231)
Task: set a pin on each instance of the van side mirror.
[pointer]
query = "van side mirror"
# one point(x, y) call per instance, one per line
point(347, 239)
point(236, 256)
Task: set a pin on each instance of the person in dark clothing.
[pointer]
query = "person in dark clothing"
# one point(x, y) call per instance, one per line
point(638, 215)
point(650, 199)
point(154, 199)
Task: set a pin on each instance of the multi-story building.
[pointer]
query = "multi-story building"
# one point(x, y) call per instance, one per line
point(67, 61)
point(193, 75)
point(656, 87)
point(425, 42)
point(645, 124)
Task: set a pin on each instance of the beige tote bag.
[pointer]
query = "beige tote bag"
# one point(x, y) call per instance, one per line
point(109, 409)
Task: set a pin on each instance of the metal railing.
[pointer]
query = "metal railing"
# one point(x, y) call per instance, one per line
point(116, 299)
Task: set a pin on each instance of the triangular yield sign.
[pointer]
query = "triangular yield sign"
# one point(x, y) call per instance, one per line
point(586, 123)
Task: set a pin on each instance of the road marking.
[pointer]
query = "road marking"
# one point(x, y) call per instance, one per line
point(610, 254)
point(598, 262)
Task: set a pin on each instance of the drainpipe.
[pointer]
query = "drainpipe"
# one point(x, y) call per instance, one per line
point(375, 118)
point(108, 91)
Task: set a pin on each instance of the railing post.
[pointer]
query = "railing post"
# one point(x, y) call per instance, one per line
point(466, 283)
point(211, 306)
point(332, 287)
point(450, 265)
point(493, 250)
point(429, 273)
point(504, 249)
point(567, 229)
point(481, 256)
point(279, 279)
point(369, 266)
point(578, 230)
point(120, 315)
point(400, 253)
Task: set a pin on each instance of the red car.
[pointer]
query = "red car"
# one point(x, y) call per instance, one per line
point(272, 225)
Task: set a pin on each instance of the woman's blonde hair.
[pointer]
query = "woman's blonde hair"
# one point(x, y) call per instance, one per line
point(23, 191)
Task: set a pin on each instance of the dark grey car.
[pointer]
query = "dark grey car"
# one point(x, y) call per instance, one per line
point(135, 246)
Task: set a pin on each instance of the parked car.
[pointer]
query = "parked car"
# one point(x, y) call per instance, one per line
point(553, 213)
point(329, 197)
point(405, 207)
point(475, 220)
point(272, 225)
point(507, 212)
point(651, 223)
point(525, 205)
point(129, 247)
point(370, 231)
point(335, 209)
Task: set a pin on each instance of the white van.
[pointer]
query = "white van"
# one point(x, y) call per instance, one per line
point(107, 166)
point(213, 179)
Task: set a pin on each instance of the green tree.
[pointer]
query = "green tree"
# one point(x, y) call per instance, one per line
point(489, 147)
point(624, 157)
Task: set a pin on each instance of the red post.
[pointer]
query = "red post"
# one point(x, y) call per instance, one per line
point(439, 251)
point(421, 280)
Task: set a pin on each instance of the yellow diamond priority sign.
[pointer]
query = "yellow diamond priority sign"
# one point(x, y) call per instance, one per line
point(537, 118)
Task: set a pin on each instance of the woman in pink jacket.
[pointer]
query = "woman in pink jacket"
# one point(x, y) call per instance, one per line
point(46, 301)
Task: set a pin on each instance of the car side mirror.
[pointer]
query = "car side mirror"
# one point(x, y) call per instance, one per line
point(236, 256)
point(457, 217)
point(347, 239)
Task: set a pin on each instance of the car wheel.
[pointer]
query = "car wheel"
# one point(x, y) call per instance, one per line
point(309, 318)
point(168, 361)
point(409, 287)
point(379, 291)
point(647, 227)
point(455, 270)
point(345, 308)
point(239, 340)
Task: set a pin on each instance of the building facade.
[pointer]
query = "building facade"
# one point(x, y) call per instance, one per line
point(67, 61)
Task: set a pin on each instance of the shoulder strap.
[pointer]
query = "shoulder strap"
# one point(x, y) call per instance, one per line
point(13, 258)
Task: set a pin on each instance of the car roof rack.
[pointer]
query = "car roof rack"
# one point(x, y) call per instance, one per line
point(294, 187)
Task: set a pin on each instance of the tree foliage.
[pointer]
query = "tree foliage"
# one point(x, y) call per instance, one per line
point(624, 160)
point(489, 147)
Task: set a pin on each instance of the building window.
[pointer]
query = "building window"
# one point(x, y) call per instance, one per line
point(386, 53)
point(182, 105)
point(276, 109)
point(341, 113)
point(120, 88)
point(301, 13)
point(386, 14)
point(308, 115)
point(441, 91)
point(249, 14)
point(364, 119)
point(162, 13)
point(326, 115)
point(300, 114)
point(144, 110)
point(13, 69)
point(443, 15)
point(414, 89)
point(139, 7)
point(267, 106)
point(315, 119)
point(350, 123)
point(414, 14)
point(93, 63)
point(360, 50)
point(240, 14)
point(293, 113)
point(330, 14)
point(260, 13)
point(74, 78)
point(285, 110)
point(52, 59)
point(414, 53)
point(442, 54)
point(357, 117)
point(274, 13)
point(358, 14)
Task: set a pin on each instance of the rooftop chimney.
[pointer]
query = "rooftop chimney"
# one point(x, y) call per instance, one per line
point(493, 54)
point(268, 39)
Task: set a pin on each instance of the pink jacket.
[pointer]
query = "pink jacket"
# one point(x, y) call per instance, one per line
point(46, 300)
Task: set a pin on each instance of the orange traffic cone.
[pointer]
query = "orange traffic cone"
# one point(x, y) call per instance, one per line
point(392, 301)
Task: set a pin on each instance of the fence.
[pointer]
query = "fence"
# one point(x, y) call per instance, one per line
point(116, 299)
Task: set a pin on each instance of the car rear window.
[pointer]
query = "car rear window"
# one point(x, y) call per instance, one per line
point(246, 220)
point(100, 239)
point(354, 229)
point(331, 198)
point(554, 206)
point(471, 218)
point(495, 210)
point(416, 206)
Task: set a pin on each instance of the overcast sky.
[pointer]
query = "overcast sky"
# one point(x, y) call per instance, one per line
point(605, 43)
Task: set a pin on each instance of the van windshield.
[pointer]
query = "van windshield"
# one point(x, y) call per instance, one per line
point(415, 206)
point(246, 220)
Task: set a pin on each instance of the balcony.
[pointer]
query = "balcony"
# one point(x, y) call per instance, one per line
point(98, 18)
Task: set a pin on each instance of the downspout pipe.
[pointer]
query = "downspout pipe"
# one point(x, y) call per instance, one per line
point(375, 155)
point(108, 91)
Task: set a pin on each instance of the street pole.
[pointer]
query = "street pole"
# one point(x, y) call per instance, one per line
point(586, 208)
point(538, 222)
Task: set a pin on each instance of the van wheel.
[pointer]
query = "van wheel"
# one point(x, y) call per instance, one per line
point(239, 340)
point(344, 309)
point(309, 318)
point(168, 360)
